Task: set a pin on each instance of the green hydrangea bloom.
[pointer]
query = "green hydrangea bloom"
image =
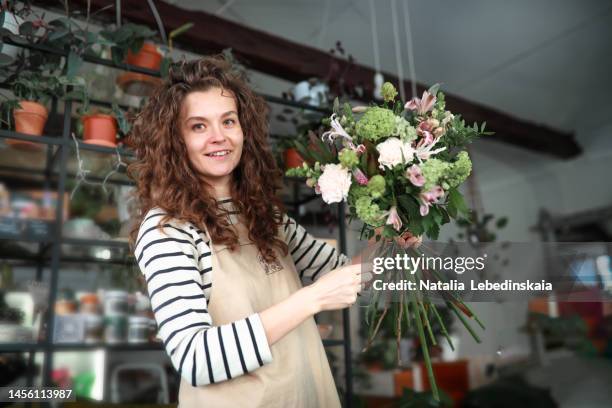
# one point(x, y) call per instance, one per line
point(356, 192)
point(459, 170)
point(369, 212)
point(375, 124)
point(299, 171)
point(376, 186)
point(434, 170)
point(405, 131)
point(388, 92)
point(348, 158)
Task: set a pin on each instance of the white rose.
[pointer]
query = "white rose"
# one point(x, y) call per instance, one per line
point(393, 152)
point(334, 183)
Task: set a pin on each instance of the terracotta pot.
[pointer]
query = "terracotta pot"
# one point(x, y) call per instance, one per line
point(147, 57)
point(292, 158)
point(100, 129)
point(31, 118)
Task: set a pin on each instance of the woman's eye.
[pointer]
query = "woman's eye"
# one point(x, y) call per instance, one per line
point(229, 122)
point(198, 127)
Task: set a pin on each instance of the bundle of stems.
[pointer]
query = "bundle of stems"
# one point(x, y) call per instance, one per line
point(414, 308)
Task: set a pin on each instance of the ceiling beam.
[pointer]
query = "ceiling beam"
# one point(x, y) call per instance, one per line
point(286, 59)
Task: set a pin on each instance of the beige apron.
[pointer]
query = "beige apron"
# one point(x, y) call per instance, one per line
point(299, 375)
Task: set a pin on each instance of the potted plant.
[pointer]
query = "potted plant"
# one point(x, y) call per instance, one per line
point(12, 16)
point(293, 147)
point(31, 91)
point(97, 125)
point(132, 44)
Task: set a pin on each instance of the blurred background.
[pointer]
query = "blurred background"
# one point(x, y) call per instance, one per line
point(73, 309)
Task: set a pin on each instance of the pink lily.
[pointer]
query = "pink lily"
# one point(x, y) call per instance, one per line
point(422, 105)
point(361, 178)
point(424, 150)
point(415, 175)
point(427, 129)
point(428, 198)
point(336, 130)
point(394, 219)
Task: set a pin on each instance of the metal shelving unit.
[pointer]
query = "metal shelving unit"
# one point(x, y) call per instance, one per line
point(55, 174)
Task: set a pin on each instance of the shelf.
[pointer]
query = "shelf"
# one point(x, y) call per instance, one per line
point(96, 242)
point(133, 68)
point(8, 347)
point(36, 160)
point(14, 347)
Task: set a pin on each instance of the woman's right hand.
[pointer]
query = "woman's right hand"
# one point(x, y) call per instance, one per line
point(337, 289)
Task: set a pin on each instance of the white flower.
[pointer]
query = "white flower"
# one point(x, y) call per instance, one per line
point(393, 152)
point(336, 130)
point(334, 183)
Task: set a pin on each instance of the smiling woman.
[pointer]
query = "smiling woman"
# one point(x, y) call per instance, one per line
point(223, 262)
point(214, 142)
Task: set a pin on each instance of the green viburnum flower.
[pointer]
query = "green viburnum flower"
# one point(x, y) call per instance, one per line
point(369, 212)
point(405, 131)
point(298, 171)
point(388, 92)
point(434, 170)
point(356, 192)
point(459, 170)
point(376, 186)
point(376, 123)
point(348, 158)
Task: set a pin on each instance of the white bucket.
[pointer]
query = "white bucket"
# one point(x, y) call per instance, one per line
point(10, 22)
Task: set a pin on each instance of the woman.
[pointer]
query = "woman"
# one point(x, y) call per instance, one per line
point(222, 261)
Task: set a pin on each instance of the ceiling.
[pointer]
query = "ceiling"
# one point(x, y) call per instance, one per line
point(545, 61)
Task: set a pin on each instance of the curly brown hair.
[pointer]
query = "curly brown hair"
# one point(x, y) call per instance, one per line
point(166, 179)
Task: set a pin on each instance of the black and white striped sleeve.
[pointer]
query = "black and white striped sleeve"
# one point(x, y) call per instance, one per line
point(176, 264)
point(313, 258)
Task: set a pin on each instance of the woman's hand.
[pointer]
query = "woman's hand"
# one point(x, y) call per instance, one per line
point(334, 290)
point(337, 289)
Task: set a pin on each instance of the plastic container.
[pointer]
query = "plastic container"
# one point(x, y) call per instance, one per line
point(89, 304)
point(115, 329)
point(115, 303)
point(94, 328)
point(139, 329)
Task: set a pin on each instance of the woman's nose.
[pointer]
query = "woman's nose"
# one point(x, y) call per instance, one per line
point(217, 135)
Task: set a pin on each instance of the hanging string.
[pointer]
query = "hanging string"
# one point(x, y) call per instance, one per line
point(378, 77)
point(118, 13)
point(374, 36)
point(158, 21)
point(407, 27)
point(224, 7)
point(398, 54)
point(324, 22)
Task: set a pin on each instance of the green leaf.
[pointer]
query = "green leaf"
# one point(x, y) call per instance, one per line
point(180, 30)
point(164, 67)
point(409, 206)
point(501, 222)
point(455, 199)
point(336, 106)
point(433, 90)
point(57, 34)
point(26, 29)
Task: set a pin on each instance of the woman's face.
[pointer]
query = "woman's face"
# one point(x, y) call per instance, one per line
point(213, 136)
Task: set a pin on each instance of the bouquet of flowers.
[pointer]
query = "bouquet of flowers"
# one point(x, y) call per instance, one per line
point(398, 166)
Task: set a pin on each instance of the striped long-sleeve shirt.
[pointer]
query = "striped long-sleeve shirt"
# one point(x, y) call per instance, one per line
point(176, 263)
